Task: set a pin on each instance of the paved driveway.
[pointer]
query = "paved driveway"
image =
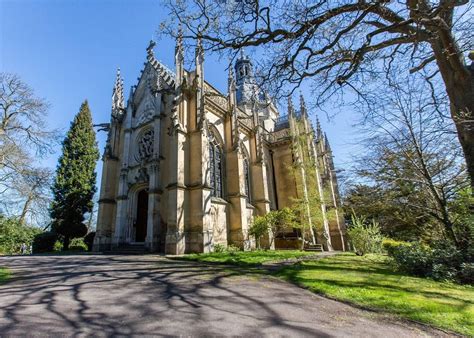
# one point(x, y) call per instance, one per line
point(150, 295)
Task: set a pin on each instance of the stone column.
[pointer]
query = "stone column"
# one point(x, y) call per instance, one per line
point(237, 198)
point(175, 241)
point(121, 223)
point(260, 194)
point(153, 219)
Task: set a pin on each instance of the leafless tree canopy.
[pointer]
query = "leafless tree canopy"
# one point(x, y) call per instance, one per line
point(344, 44)
point(332, 39)
point(412, 152)
point(24, 137)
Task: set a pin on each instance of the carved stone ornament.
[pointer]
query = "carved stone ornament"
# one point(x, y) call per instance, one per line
point(145, 117)
point(145, 145)
point(142, 176)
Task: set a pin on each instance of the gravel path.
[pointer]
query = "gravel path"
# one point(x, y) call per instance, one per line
point(151, 295)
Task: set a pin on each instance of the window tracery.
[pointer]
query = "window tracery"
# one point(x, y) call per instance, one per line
point(216, 169)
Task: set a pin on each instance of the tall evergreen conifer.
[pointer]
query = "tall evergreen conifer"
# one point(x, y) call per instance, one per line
point(74, 185)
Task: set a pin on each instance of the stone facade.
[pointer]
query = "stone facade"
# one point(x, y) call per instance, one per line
point(187, 167)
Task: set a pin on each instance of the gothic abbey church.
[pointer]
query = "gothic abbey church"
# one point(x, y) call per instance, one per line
point(187, 167)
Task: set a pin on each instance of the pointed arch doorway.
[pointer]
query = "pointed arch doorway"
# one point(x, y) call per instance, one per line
point(142, 216)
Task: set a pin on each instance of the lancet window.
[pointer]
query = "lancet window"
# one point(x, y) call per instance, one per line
point(216, 168)
point(247, 180)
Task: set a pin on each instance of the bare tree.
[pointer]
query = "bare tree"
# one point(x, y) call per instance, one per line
point(344, 44)
point(24, 137)
point(412, 155)
point(30, 196)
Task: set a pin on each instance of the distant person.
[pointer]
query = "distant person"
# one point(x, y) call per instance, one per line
point(23, 248)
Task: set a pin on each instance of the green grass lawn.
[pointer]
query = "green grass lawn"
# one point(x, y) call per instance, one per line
point(371, 282)
point(4, 275)
point(246, 258)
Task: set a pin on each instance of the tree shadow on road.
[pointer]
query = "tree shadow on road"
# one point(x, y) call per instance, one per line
point(118, 295)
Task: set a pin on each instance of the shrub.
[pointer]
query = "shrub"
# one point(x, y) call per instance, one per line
point(441, 261)
point(77, 244)
point(259, 227)
point(58, 246)
point(232, 248)
point(442, 272)
point(466, 273)
point(415, 259)
point(276, 222)
point(365, 237)
point(13, 234)
point(44, 242)
point(390, 245)
point(89, 240)
point(219, 248)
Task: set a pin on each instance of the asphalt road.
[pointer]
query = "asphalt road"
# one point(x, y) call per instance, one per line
point(151, 295)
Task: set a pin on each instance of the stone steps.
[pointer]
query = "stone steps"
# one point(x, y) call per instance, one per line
point(128, 249)
point(314, 247)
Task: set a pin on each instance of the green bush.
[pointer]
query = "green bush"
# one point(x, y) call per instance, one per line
point(58, 246)
point(415, 259)
point(44, 242)
point(77, 244)
point(259, 227)
point(390, 245)
point(365, 237)
point(13, 234)
point(276, 222)
point(219, 248)
point(89, 240)
point(442, 261)
point(466, 273)
point(232, 248)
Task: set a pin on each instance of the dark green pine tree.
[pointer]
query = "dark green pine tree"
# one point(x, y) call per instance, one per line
point(74, 185)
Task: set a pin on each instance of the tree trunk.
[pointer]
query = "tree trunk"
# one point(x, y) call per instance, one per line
point(465, 130)
point(25, 210)
point(459, 82)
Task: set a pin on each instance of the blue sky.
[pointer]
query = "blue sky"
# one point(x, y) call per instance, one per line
point(69, 50)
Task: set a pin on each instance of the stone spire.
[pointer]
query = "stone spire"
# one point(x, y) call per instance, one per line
point(326, 143)
point(303, 110)
point(179, 57)
point(232, 107)
point(291, 110)
point(318, 129)
point(117, 95)
point(199, 59)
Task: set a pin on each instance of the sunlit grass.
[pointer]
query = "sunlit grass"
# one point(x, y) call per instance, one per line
point(246, 258)
point(370, 281)
point(4, 275)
